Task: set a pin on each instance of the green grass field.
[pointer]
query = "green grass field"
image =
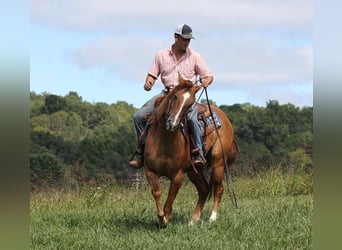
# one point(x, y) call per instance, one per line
point(275, 212)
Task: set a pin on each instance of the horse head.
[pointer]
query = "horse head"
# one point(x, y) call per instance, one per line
point(180, 101)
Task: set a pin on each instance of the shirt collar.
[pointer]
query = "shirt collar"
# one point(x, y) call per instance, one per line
point(186, 52)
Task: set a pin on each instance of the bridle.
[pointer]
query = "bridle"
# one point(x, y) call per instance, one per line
point(183, 117)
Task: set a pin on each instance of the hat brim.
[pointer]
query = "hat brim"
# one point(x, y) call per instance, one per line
point(187, 36)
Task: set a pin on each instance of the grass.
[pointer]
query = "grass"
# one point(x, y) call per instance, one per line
point(275, 212)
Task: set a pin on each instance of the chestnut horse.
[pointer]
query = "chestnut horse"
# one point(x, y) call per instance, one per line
point(167, 152)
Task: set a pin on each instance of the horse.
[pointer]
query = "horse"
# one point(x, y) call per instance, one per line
point(167, 153)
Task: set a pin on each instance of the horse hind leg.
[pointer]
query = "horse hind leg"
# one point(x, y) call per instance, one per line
point(202, 187)
point(216, 182)
point(152, 179)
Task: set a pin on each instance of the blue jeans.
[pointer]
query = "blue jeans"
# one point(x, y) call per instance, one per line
point(147, 109)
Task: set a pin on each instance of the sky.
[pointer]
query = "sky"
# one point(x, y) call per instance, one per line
point(257, 50)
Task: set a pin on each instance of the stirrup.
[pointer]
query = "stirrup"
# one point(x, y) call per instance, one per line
point(139, 163)
point(195, 151)
point(199, 161)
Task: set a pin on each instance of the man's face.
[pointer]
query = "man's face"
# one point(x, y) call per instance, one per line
point(182, 43)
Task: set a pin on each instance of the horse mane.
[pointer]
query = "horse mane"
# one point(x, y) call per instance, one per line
point(160, 108)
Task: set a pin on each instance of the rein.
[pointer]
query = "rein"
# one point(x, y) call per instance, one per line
point(186, 135)
point(183, 127)
point(229, 179)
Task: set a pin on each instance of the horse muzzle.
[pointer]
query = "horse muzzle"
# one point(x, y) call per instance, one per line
point(171, 125)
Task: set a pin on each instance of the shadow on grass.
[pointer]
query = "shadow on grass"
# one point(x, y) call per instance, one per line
point(143, 222)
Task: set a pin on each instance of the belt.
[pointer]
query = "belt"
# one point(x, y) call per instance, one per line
point(167, 89)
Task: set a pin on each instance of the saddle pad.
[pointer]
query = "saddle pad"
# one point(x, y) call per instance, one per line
point(206, 122)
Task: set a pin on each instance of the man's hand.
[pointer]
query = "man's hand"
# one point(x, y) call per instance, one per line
point(206, 81)
point(148, 86)
point(150, 80)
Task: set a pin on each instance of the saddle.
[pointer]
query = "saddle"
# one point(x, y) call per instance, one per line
point(207, 121)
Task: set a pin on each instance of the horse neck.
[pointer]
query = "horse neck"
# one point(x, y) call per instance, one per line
point(157, 121)
point(157, 129)
point(166, 143)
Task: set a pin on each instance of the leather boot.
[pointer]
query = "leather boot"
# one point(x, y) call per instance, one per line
point(139, 162)
point(198, 158)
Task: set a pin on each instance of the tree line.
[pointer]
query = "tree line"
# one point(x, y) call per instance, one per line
point(76, 142)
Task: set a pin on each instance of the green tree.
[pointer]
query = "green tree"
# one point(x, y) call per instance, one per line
point(36, 104)
point(45, 169)
point(53, 103)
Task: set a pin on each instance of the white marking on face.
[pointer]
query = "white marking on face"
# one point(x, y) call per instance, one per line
point(186, 96)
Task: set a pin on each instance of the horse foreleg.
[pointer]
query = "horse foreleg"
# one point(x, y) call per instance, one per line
point(217, 176)
point(175, 184)
point(152, 179)
point(202, 187)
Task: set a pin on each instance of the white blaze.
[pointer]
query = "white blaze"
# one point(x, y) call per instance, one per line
point(186, 96)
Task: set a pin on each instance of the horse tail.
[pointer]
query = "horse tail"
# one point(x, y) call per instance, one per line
point(233, 153)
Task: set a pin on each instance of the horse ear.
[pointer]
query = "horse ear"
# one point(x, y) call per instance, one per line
point(184, 82)
point(198, 87)
point(158, 101)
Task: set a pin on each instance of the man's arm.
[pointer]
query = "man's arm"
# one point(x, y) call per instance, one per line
point(149, 82)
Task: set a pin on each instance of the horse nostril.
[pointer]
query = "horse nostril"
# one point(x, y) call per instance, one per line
point(167, 123)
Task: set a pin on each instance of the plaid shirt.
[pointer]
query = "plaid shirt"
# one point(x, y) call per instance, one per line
point(189, 66)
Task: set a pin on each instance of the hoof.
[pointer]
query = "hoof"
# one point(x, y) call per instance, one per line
point(162, 226)
point(213, 217)
point(162, 222)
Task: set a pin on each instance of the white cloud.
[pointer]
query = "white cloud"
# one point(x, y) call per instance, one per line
point(252, 45)
point(120, 54)
point(246, 61)
point(253, 59)
point(130, 14)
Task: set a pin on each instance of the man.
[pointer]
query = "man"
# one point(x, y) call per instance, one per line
point(168, 63)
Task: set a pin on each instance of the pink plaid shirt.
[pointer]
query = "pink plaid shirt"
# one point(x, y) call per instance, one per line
point(189, 66)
